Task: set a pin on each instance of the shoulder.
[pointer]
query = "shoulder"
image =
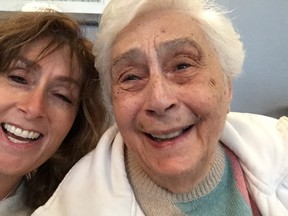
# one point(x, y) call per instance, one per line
point(257, 135)
point(14, 205)
point(254, 128)
point(261, 144)
point(248, 119)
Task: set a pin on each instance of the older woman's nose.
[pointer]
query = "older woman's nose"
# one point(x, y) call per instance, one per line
point(32, 104)
point(161, 96)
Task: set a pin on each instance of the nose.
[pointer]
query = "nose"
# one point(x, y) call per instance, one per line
point(32, 104)
point(161, 95)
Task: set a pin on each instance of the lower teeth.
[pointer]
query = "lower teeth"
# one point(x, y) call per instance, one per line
point(16, 140)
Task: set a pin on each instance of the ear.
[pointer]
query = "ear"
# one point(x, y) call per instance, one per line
point(229, 90)
point(229, 93)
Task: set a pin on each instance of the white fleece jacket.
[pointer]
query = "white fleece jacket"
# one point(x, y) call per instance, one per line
point(98, 186)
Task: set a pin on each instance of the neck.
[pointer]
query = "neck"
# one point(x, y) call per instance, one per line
point(186, 181)
point(8, 187)
point(181, 184)
point(178, 185)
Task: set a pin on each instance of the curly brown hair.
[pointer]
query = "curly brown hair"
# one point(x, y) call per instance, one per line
point(91, 119)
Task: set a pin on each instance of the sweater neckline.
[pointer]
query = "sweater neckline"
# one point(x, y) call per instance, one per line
point(142, 183)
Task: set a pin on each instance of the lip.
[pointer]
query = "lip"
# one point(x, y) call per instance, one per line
point(164, 139)
point(12, 142)
point(18, 132)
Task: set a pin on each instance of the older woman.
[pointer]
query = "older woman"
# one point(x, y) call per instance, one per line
point(51, 108)
point(167, 68)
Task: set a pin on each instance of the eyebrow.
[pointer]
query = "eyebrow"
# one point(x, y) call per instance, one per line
point(68, 80)
point(173, 47)
point(132, 55)
point(28, 63)
point(32, 64)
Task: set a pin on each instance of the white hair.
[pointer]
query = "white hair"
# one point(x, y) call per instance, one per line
point(212, 18)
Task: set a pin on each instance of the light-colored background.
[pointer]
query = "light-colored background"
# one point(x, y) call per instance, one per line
point(263, 86)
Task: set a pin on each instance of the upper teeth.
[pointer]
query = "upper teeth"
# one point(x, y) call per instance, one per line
point(21, 133)
point(167, 136)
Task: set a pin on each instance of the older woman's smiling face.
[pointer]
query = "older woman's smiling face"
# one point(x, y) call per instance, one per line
point(170, 96)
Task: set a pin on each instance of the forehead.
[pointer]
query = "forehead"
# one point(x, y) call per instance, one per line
point(37, 53)
point(42, 49)
point(157, 27)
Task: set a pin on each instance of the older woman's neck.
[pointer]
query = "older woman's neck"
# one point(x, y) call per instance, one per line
point(180, 184)
point(184, 182)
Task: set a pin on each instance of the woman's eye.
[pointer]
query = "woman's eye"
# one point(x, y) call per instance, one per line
point(182, 66)
point(131, 82)
point(18, 79)
point(130, 78)
point(64, 98)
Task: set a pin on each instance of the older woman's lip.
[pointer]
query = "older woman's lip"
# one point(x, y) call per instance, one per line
point(169, 136)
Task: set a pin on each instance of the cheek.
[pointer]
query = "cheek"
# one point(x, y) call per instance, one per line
point(116, 93)
point(203, 95)
point(219, 90)
point(118, 101)
point(63, 123)
point(126, 102)
point(122, 108)
point(219, 103)
point(212, 98)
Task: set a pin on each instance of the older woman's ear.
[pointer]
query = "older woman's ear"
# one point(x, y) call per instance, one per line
point(230, 89)
point(229, 93)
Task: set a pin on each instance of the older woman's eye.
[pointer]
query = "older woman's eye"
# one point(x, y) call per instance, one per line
point(182, 66)
point(130, 78)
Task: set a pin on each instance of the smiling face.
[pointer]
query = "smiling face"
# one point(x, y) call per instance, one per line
point(38, 105)
point(169, 95)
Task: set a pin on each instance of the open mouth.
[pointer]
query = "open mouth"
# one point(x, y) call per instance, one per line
point(169, 136)
point(19, 135)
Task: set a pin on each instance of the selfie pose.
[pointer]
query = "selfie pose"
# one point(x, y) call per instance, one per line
point(166, 69)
